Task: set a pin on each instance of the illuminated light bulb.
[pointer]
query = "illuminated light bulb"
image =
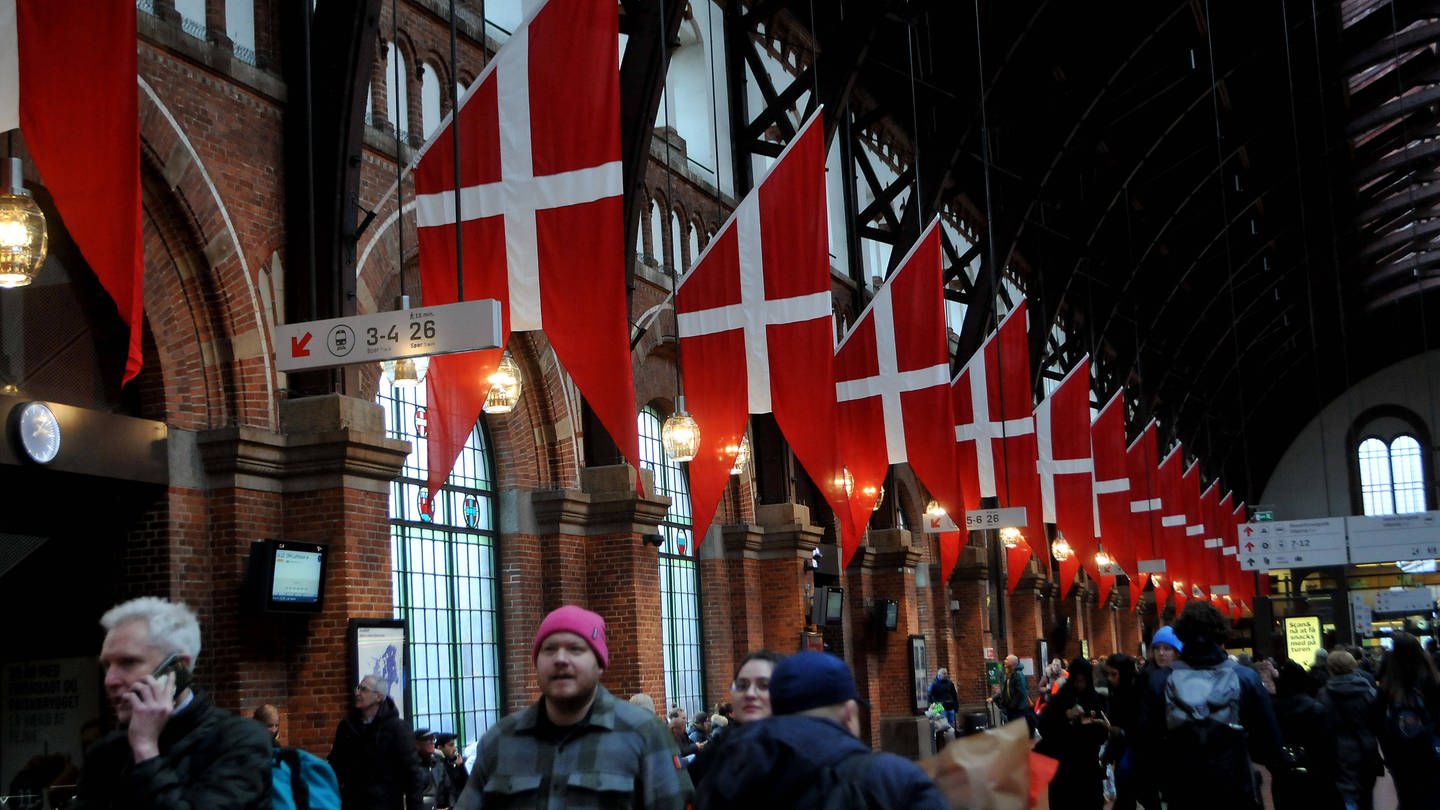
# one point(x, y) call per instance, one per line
point(506, 384)
point(742, 456)
point(680, 434)
point(1011, 537)
point(934, 509)
point(844, 481)
point(1062, 549)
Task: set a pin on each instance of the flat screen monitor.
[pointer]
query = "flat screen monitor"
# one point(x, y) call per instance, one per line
point(291, 575)
point(829, 605)
point(890, 614)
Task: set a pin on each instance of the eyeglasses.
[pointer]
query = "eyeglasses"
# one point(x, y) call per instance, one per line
point(363, 688)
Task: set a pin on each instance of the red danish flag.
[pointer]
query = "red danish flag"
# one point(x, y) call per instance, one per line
point(1112, 494)
point(1145, 508)
point(541, 217)
point(892, 383)
point(994, 425)
point(1170, 542)
point(1062, 435)
point(67, 80)
point(754, 319)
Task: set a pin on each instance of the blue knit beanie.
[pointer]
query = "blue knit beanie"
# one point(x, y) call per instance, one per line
point(1167, 636)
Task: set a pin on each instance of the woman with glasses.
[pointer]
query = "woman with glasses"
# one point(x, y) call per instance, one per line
point(750, 699)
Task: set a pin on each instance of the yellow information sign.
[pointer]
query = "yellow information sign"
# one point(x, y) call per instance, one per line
point(1303, 638)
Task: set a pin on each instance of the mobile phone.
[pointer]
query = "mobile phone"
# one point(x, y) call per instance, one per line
point(172, 663)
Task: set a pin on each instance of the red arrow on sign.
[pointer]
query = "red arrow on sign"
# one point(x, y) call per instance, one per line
point(1248, 531)
point(935, 523)
point(297, 346)
point(1249, 546)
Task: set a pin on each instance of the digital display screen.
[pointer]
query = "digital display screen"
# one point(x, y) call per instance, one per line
point(834, 601)
point(892, 615)
point(297, 575)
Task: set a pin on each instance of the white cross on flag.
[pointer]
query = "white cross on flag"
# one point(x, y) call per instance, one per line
point(753, 315)
point(542, 219)
point(994, 426)
point(892, 382)
point(1144, 505)
point(1062, 433)
point(1112, 493)
point(67, 81)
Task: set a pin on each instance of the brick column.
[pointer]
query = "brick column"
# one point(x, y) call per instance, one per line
point(215, 32)
point(1026, 619)
point(887, 679)
point(323, 478)
point(165, 10)
point(742, 544)
point(594, 555)
point(786, 545)
point(970, 585)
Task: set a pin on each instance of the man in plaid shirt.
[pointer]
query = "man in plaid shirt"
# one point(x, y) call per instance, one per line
point(577, 746)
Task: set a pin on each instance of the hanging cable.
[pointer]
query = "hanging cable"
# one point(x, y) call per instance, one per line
point(455, 148)
point(1305, 244)
point(1229, 261)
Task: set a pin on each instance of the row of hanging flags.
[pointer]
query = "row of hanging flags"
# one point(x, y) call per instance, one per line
point(542, 221)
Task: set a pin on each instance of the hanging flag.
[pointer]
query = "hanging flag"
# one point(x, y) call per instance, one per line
point(542, 219)
point(1144, 509)
point(1242, 583)
point(1062, 433)
point(1169, 546)
point(1112, 493)
point(1212, 539)
point(68, 81)
point(892, 385)
point(994, 426)
point(1193, 556)
point(756, 332)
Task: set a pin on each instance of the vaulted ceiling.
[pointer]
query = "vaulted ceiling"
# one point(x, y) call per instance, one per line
point(1229, 206)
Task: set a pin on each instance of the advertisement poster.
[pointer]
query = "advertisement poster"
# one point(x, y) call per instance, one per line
point(47, 706)
point(377, 647)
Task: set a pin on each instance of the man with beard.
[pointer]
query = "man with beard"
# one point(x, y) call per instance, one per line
point(173, 747)
point(577, 746)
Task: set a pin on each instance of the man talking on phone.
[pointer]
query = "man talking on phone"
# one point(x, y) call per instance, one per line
point(173, 748)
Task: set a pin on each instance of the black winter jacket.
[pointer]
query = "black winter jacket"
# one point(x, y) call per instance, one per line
point(1350, 701)
point(209, 760)
point(942, 691)
point(376, 761)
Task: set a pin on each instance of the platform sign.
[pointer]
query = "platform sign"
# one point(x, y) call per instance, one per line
point(1392, 538)
point(978, 519)
point(1267, 546)
point(420, 332)
point(1409, 601)
point(935, 524)
point(1302, 637)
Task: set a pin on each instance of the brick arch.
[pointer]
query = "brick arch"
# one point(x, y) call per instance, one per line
point(201, 301)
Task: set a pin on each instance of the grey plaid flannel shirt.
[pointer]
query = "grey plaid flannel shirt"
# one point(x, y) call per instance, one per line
point(625, 757)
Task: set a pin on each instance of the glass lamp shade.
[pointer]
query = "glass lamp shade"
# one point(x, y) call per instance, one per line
point(878, 493)
point(505, 387)
point(23, 241)
point(681, 436)
point(934, 509)
point(407, 372)
point(1011, 537)
point(1061, 549)
point(845, 481)
point(742, 456)
point(1102, 558)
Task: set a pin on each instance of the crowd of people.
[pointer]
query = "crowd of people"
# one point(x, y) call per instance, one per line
point(1183, 728)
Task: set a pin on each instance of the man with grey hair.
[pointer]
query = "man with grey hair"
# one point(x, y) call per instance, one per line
point(173, 747)
point(374, 753)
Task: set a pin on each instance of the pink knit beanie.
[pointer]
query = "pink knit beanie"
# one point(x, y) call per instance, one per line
point(583, 623)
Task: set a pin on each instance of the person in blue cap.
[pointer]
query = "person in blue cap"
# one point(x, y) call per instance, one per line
point(1165, 647)
point(811, 748)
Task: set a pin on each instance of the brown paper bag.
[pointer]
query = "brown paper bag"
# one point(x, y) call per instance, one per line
point(989, 771)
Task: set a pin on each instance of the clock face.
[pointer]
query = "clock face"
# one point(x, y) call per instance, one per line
point(39, 432)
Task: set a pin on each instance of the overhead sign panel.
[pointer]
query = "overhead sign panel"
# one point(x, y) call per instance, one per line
point(1292, 544)
point(1392, 538)
point(977, 519)
point(420, 332)
point(1405, 600)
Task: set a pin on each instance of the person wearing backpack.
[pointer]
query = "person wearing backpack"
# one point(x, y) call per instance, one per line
point(1409, 694)
point(1204, 719)
point(809, 754)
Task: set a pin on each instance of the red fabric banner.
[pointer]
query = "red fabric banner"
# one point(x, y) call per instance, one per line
point(542, 219)
point(1194, 533)
point(79, 113)
point(1112, 492)
point(754, 316)
point(892, 385)
point(1145, 508)
point(1062, 433)
point(1170, 546)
